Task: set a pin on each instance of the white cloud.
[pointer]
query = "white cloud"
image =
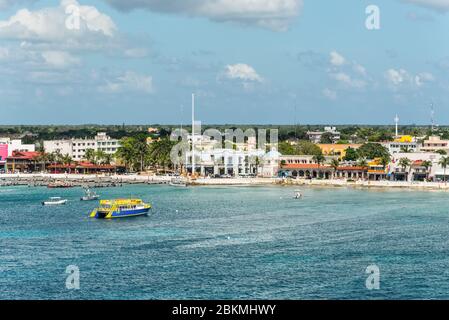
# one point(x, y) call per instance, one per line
point(439, 5)
point(348, 81)
point(337, 59)
point(272, 14)
point(49, 25)
point(59, 59)
point(243, 72)
point(402, 78)
point(129, 82)
point(422, 78)
point(397, 77)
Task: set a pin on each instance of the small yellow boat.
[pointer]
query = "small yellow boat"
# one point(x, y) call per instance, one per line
point(120, 208)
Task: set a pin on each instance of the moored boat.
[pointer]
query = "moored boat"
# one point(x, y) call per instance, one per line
point(54, 201)
point(120, 208)
point(89, 195)
point(178, 182)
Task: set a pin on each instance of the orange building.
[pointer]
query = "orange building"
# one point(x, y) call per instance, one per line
point(337, 149)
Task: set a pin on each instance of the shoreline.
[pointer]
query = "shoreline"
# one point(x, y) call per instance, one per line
point(43, 179)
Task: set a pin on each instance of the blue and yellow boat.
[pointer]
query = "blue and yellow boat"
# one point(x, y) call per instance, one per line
point(120, 208)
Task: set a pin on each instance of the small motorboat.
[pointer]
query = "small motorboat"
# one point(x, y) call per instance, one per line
point(178, 182)
point(89, 195)
point(54, 201)
point(120, 208)
point(298, 194)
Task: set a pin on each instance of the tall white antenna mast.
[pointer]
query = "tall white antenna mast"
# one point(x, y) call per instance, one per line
point(396, 121)
point(193, 134)
point(432, 116)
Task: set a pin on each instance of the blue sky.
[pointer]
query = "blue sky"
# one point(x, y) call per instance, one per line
point(247, 61)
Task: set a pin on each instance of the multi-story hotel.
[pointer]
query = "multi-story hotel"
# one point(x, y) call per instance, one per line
point(76, 148)
point(435, 143)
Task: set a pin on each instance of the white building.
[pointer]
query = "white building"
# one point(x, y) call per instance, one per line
point(401, 147)
point(16, 145)
point(315, 136)
point(242, 159)
point(416, 170)
point(76, 148)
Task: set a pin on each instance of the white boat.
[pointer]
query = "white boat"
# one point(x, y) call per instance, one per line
point(178, 182)
point(90, 195)
point(298, 194)
point(54, 201)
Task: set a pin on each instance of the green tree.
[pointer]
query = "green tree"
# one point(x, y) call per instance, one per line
point(326, 138)
point(372, 151)
point(385, 160)
point(159, 154)
point(91, 156)
point(362, 162)
point(308, 148)
point(334, 164)
point(318, 159)
point(405, 163)
point(351, 154)
point(100, 156)
point(427, 165)
point(444, 162)
point(133, 151)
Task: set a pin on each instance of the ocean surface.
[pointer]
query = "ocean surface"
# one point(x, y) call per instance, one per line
point(227, 243)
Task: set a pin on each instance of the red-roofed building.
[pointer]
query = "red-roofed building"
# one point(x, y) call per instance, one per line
point(84, 168)
point(23, 161)
point(313, 170)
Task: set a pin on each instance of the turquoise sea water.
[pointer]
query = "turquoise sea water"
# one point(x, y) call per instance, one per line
point(227, 243)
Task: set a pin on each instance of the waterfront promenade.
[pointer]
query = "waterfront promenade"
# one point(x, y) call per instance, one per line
point(40, 179)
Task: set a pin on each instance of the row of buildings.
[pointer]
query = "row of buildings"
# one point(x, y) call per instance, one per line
point(248, 159)
point(18, 157)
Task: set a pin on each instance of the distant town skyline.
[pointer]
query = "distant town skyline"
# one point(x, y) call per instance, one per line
point(263, 62)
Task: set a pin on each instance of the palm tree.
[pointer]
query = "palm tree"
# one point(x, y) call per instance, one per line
point(91, 156)
point(444, 162)
point(67, 160)
point(43, 158)
point(126, 152)
point(404, 163)
point(108, 158)
point(384, 161)
point(159, 154)
point(427, 164)
point(318, 159)
point(334, 164)
point(362, 162)
point(100, 156)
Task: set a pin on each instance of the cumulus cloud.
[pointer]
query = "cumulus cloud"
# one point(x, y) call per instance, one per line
point(348, 80)
point(49, 25)
point(59, 59)
point(398, 78)
point(337, 59)
point(272, 14)
point(439, 5)
point(242, 72)
point(129, 82)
